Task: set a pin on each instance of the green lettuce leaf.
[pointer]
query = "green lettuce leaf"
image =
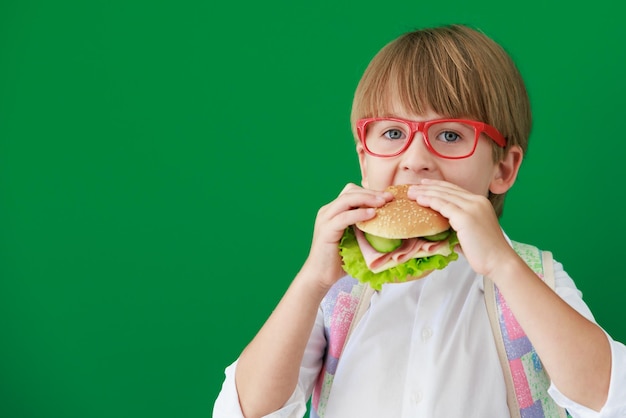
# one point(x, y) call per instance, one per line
point(354, 263)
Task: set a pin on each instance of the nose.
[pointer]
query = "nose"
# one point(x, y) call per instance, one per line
point(417, 157)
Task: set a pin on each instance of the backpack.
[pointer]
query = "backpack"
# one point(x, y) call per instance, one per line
point(526, 380)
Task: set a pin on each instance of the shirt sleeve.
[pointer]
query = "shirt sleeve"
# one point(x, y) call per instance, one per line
point(227, 403)
point(615, 406)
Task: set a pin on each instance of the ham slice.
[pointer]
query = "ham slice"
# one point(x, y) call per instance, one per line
point(410, 248)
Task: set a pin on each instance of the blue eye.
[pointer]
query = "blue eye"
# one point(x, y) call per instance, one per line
point(449, 136)
point(394, 134)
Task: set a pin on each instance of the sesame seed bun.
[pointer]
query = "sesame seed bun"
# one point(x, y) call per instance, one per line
point(404, 218)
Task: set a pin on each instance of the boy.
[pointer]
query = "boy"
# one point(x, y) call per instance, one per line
point(425, 347)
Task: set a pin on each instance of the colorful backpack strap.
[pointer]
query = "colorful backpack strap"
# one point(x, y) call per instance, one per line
point(526, 379)
point(343, 307)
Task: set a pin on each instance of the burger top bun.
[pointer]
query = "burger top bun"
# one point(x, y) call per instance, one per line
point(403, 218)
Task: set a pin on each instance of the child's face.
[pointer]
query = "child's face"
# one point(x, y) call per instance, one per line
point(478, 173)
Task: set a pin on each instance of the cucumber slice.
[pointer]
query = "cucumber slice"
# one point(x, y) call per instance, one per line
point(438, 237)
point(383, 245)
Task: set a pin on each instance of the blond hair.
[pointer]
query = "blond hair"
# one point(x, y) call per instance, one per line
point(455, 71)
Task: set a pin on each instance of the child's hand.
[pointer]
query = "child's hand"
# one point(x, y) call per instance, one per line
point(353, 204)
point(472, 217)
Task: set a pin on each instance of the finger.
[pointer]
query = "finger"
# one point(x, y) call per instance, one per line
point(350, 187)
point(350, 209)
point(442, 194)
point(355, 198)
point(439, 183)
point(353, 188)
point(351, 217)
point(435, 185)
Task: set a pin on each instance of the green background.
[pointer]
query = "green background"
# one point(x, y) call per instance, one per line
point(162, 163)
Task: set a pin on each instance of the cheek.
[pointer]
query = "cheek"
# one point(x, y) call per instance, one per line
point(377, 174)
point(472, 175)
point(472, 182)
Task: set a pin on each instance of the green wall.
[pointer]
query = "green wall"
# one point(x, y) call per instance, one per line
point(162, 162)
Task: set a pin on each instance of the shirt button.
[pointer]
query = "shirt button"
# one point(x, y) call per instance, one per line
point(417, 397)
point(427, 333)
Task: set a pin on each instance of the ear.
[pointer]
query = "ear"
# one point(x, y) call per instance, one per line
point(362, 164)
point(506, 171)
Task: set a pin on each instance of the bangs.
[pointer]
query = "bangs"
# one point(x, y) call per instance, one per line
point(420, 74)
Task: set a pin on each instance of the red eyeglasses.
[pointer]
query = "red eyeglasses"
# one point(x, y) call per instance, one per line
point(446, 138)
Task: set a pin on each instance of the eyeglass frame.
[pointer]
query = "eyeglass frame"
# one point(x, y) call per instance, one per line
point(415, 127)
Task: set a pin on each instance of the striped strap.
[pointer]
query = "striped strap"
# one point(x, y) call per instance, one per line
point(526, 379)
point(343, 307)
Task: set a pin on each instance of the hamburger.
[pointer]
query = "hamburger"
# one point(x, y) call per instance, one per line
point(403, 242)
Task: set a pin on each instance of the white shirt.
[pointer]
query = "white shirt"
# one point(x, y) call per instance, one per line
point(425, 349)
